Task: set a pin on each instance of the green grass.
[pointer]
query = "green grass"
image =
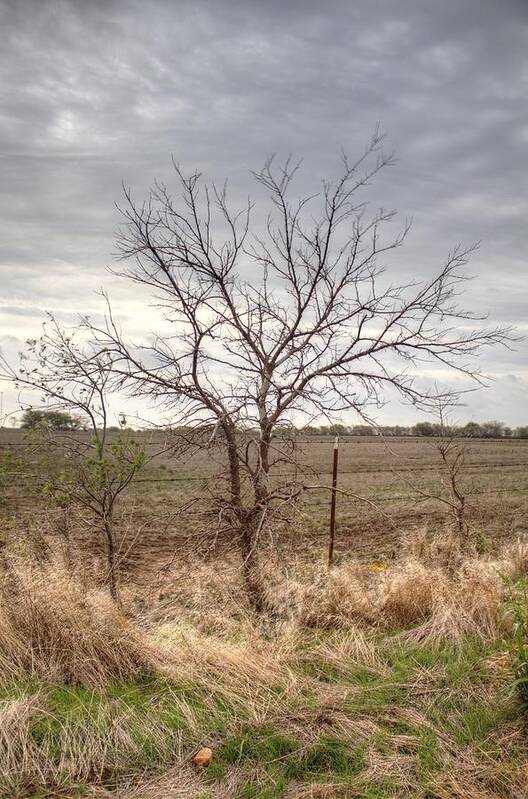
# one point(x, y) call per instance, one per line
point(423, 705)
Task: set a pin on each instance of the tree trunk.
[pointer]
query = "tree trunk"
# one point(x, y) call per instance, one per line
point(63, 528)
point(250, 565)
point(248, 523)
point(112, 576)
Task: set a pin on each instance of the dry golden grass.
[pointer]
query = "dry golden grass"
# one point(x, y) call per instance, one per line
point(186, 782)
point(319, 790)
point(407, 593)
point(437, 548)
point(343, 598)
point(107, 739)
point(352, 648)
point(466, 603)
point(320, 667)
point(513, 559)
point(469, 775)
point(52, 628)
point(17, 752)
point(247, 674)
point(445, 604)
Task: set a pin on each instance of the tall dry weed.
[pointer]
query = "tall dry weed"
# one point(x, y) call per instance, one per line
point(469, 603)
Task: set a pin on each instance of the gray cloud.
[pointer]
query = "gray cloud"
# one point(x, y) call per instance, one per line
point(95, 93)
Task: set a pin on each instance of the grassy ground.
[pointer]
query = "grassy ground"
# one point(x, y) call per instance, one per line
point(387, 683)
point(390, 677)
point(347, 716)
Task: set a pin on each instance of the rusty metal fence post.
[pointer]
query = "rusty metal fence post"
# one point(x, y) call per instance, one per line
point(333, 498)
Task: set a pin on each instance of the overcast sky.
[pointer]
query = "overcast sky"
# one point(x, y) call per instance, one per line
point(96, 93)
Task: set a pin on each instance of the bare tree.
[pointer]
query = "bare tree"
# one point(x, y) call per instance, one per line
point(87, 467)
point(453, 451)
point(449, 483)
point(296, 321)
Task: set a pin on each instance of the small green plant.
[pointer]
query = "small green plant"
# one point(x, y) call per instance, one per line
point(518, 640)
point(93, 477)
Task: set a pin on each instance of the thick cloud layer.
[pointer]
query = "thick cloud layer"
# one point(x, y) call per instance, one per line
point(96, 93)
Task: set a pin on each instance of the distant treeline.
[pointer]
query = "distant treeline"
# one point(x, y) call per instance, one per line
point(57, 420)
point(492, 429)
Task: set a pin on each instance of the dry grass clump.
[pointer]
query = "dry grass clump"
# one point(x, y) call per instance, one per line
point(436, 587)
point(397, 766)
point(51, 628)
point(437, 549)
point(513, 559)
point(353, 648)
point(211, 598)
point(247, 674)
point(17, 750)
point(284, 590)
point(340, 599)
point(308, 724)
point(468, 604)
point(319, 790)
point(408, 593)
point(467, 775)
point(181, 782)
point(446, 604)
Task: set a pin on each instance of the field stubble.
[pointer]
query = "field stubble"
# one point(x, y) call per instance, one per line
point(382, 486)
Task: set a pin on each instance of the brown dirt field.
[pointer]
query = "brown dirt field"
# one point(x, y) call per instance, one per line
point(385, 476)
